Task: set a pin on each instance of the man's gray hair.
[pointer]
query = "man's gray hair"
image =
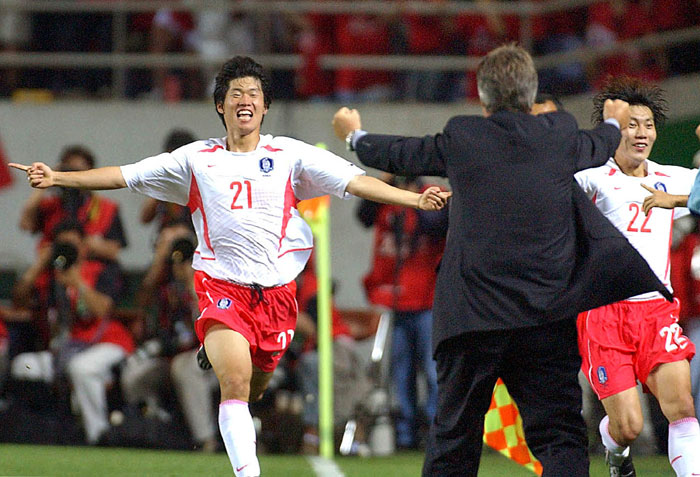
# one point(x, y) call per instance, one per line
point(507, 79)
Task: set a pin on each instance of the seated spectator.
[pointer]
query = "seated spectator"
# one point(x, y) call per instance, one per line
point(15, 34)
point(211, 34)
point(315, 36)
point(168, 348)
point(168, 213)
point(559, 32)
point(429, 35)
point(77, 298)
point(618, 20)
point(477, 34)
point(98, 216)
point(361, 34)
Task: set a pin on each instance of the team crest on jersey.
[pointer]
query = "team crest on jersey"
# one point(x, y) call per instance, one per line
point(224, 304)
point(267, 164)
point(660, 186)
point(602, 375)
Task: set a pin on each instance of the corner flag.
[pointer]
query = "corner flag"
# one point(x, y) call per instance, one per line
point(503, 429)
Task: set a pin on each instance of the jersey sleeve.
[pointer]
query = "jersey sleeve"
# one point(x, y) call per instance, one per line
point(164, 177)
point(321, 172)
point(686, 179)
point(583, 178)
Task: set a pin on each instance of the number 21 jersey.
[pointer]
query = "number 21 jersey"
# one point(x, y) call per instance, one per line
point(243, 205)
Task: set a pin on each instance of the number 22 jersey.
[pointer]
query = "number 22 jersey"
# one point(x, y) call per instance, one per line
point(243, 205)
point(620, 197)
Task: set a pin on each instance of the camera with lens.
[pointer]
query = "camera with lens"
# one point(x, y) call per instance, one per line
point(182, 250)
point(63, 255)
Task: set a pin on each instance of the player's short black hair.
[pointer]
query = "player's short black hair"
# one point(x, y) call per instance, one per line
point(240, 67)
point(177, 138)
point(636, 92)
point(77, 150)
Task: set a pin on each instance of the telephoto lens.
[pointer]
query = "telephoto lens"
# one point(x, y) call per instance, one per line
point(64, 255)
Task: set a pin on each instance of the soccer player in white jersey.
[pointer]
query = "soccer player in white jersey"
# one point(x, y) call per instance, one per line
point(242, 190)
point(639, 338)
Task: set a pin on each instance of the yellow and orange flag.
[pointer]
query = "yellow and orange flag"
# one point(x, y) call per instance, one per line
point(503, 429)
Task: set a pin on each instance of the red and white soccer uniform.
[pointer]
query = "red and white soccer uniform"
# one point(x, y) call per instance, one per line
point(244, 212)
point(623, 342)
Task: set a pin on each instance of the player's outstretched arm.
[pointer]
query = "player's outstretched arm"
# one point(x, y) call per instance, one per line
point(664, 200)
point(371, 188)
point(41, 176)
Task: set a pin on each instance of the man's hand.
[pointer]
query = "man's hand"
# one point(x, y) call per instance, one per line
point(617, 109)
point(664, 200)
point(433, 198)
point(345, 121)
point(69, 277)
point(39, 175)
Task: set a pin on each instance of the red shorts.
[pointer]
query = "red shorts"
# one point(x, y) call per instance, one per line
point(625, 341)
point(266, 319)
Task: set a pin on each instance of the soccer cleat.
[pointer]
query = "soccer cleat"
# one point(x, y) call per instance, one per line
point(202, 359)
point(625, 469)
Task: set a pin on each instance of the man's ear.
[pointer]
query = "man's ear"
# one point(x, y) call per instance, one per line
point(220, 108)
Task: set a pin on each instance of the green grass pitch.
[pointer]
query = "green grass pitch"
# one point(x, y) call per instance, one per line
point(29, 460)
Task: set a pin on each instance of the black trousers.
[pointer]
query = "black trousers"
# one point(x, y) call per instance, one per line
point(539, 366)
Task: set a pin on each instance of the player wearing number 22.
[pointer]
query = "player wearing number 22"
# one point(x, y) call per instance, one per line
point(639, 338)
point(242, 191)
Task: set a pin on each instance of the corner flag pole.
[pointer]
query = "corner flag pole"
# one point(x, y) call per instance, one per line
point(317, 214)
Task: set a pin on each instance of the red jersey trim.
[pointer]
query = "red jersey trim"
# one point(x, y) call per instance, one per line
point(271, 149)
point(213, 149)
point(203, 258)
point(290, 202)
point(194, 203)
point(294, 250)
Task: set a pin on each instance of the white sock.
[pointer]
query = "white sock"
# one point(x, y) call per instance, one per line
point(618, 453)
point(684, 446)
point(237, 429)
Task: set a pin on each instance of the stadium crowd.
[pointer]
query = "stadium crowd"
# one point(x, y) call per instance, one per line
point(211, 34)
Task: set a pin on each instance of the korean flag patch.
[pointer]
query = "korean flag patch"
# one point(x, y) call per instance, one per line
point(267, 164)
point(224, 304)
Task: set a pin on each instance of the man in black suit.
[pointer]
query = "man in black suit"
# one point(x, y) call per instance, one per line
point(525, 252)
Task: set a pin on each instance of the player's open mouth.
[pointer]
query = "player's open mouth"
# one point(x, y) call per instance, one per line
point(244, 114)
point(640, 146)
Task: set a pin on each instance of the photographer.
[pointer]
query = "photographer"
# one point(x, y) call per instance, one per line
point(169, 345)
point(98, 216)
point(75, 296)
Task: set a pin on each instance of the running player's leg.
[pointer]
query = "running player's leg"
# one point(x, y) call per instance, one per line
point(622, 424)
point(670, 383)
point(608, 364)
point(229, 354)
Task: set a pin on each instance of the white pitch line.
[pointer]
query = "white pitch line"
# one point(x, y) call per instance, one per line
point(325, 467)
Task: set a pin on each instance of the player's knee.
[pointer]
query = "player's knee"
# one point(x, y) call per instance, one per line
point(234, 386)
point(630, 428)
point(681, 407)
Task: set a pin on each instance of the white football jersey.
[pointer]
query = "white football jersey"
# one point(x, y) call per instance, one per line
point(619, 197)
point(243, 205)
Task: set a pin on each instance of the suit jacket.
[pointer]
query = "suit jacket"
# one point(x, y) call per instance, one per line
point(525, 246)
